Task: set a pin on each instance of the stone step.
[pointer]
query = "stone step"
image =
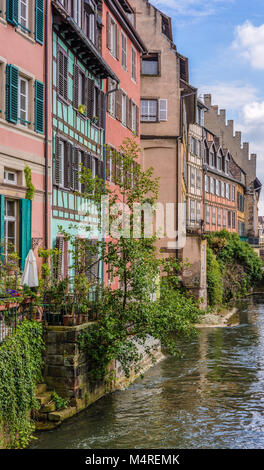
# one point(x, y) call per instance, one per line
point(61, 415)
point(44, 398)
point(40, 388)
point(48, 408)
point(46, 425)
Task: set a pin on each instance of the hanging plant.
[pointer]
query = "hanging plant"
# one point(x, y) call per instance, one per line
point(30, 187)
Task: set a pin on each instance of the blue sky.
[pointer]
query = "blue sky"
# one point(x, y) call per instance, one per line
point(224, 40)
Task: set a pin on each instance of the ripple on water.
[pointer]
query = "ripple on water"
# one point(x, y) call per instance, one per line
point(212, 398)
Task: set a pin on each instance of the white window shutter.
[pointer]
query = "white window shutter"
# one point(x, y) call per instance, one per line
point(163, 110)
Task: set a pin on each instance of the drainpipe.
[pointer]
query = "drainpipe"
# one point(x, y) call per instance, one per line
point(46, 148)
point(104, 141)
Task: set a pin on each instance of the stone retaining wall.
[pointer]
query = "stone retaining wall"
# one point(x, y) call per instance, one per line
point(67, 369)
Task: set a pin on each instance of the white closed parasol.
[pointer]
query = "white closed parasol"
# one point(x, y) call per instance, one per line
point(30, 274)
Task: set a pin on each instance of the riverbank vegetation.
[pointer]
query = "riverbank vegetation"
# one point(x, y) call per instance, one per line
point(233, 267)
point(20, 369)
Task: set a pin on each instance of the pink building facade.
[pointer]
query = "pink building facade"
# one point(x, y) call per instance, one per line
point(22, 124)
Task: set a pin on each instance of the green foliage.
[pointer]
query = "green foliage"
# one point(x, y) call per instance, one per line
point(128, 314)
point(60, 403)
point(30, 187)
point(214, 279)
point(240, 266)
point(20, 370)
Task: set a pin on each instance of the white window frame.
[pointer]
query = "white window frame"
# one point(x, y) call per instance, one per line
point(149, 115)
point(77, 13)
point(134, 117)
point(133, 64)
point(113, 34)
point(112, 97)
point(9, 218)
point(91, 27)
point(24, 27)
point(20, 79)
point(124, 109)
point(6, 180)
point(198, 211)
point(206, 183)
point(123, 51)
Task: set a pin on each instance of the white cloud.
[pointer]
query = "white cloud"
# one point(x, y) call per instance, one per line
point(249, 42)
point(230, 95)
point(254, 112)
point(192, 7)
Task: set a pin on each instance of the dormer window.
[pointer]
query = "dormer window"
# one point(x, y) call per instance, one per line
point(211, 159)
point(219, 162)
point(226, 166)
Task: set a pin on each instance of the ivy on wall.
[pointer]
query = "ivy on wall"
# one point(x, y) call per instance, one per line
point(30, 187)
point(20, 369)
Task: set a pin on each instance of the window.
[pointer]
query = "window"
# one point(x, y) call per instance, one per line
point(150, 64)
point(200, 116)
point(112, 36)
point(134, 117)
point(199, 148)
point(233, 220)
point(23, 15)
point(123, 51)
point(23, 101)
point(124, 109)
point(62, 73)
point(149, 110)
point(219, 217)
point(192, 174)
point(91, 21)
point(226, 166)
point(193, 145)
point(77, 12)
point(133, 64)
point(241, 229)
point(207, 214)
point(224, 217)
point(198, 179)
point(79, 87)
point(219, 163)
point(198, 212)
point(206, 183)
point(10, 177)
point(10, 225)
point(192, 210)
point(111, 98)
point(223, 189)
point(233, 193)
point(229, 219)
point(211, 159)
point(213, 215)
point(212, 185)
point(228, 191)
point(217, 187)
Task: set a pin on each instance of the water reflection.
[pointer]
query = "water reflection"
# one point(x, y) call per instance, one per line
point(212, 398)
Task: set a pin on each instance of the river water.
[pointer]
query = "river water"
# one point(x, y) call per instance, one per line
point(212, 398)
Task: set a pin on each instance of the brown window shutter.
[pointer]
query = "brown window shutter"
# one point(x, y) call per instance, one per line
point(90, 98)
point(108, 96)
point(128, 112)
point(57, 161)
point(67, 165)
point(102, 109)
point(75, 86)
point(65, 77)
point(75, 169)
point(119, 105)
point(137, 120)
point(108, 42)
point(117, 42)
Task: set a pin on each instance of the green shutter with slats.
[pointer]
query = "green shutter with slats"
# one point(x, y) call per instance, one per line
point(39, 107)
point(12, 11)
point(25, 229)
point(39, 21)
point(2, 225)
point(11, 93)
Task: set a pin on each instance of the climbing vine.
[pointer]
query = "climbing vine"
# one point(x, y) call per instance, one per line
point(30, 187)
point(20, 370)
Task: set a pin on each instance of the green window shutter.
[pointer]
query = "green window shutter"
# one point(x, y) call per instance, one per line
point(25, 229)
point(11, 93)
point(39, 21)
point(12, 11)
point(2, 224)
point(39, 107)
